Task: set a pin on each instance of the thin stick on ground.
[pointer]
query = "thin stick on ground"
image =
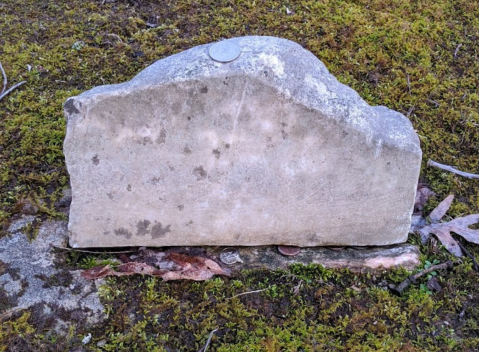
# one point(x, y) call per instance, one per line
point(85, 251)
point(451, 169)
point(4, 79)
point(203, 349)
point(412, 278)
point(476, 266)
point(4, 93)
point(247, 293)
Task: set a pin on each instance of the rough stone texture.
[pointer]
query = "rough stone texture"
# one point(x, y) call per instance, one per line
point(29, 279)
point(267, 149)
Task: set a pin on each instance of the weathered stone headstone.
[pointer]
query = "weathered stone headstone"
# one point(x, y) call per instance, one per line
point(202, 148)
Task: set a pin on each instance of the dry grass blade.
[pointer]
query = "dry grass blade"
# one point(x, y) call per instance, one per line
point(93, 252)
point(203, 349)
point(247, 293)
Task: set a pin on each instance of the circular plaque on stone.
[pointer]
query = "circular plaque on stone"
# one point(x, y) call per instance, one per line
point(224, 51)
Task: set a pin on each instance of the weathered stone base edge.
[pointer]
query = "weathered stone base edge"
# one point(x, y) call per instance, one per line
point(367, 259)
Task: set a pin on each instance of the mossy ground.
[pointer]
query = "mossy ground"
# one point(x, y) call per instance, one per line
point(417, 57)
point(307, 308)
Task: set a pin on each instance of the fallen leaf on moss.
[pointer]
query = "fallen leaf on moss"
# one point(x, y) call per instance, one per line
point(98, 272)
point(443, 230)
point(438, 213)
point(193, 268)
point(168, 266)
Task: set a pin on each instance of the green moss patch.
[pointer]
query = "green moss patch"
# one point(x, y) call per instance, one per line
point(419, 58)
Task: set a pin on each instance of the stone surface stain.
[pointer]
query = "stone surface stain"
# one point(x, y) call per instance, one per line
point(216, 153)
point(200, 173)
point(155, 180)
point(142, 227)
point(95, 159)
point(158, 230)
point(147, 140)
point(162, 137)
point(123, 232)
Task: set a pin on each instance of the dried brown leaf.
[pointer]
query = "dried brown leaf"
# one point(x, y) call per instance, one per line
point(196, 263)
point(443, 230)
point(138, 268)
point(98, 272)
point(442, 208)
point(172, 266)
point(461, 227)
point(443, 234)
point(195, 275)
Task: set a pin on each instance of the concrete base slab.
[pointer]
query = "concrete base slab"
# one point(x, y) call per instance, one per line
point(356, 259)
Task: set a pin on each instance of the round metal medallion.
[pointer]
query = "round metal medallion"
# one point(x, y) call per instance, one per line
point(224, 51)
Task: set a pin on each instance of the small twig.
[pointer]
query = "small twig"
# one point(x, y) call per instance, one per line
point(436, 104)
point(4, 93)
point(4, 79)
point(247, 293)
point(451, 169)
point(412, 278)
point(203, 349)
point(476, 266)
point(84, 251)
point(411, 109)
point(12, 88)
point(457, 49)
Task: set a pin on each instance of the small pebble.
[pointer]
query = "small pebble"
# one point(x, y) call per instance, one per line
point(86, 339)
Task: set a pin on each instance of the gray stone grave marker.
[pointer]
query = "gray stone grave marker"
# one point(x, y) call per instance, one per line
point(256, 148)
